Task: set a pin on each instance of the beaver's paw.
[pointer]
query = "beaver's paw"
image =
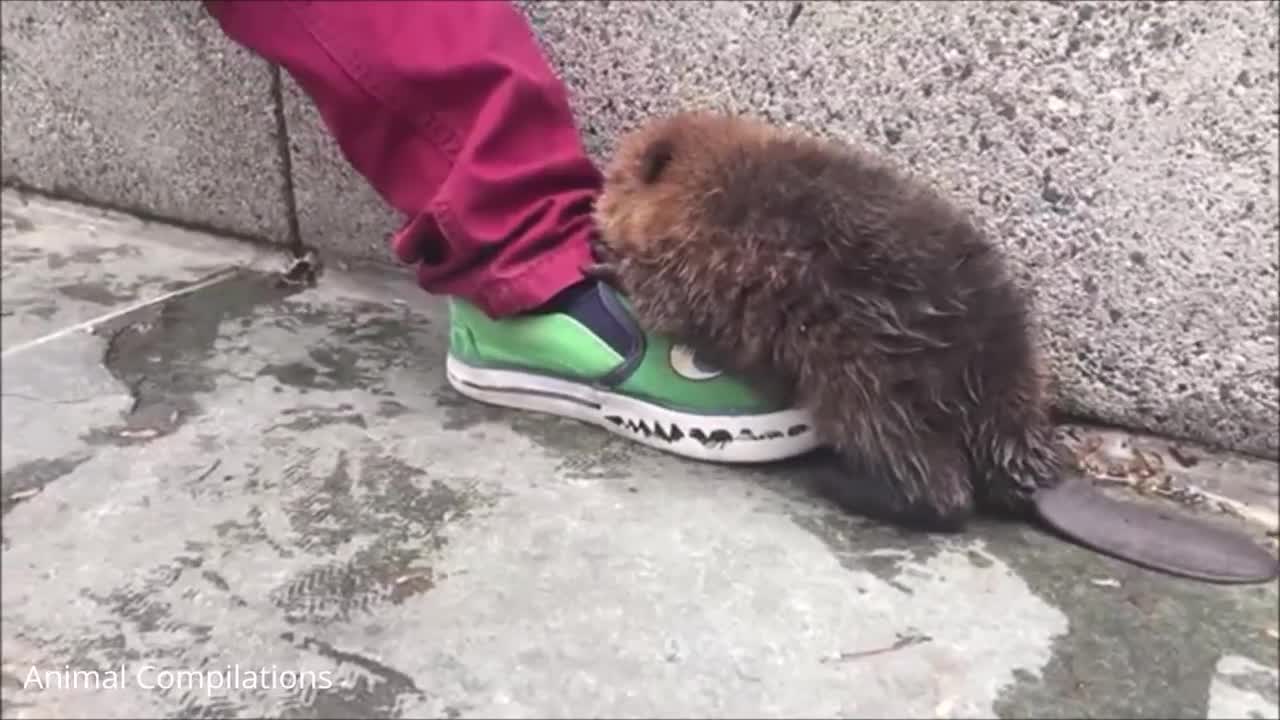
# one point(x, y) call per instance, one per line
point(606, 272)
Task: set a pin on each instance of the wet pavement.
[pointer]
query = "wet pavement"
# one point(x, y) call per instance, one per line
point(248, 500)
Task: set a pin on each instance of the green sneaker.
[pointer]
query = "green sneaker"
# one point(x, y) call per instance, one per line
point(655, 393)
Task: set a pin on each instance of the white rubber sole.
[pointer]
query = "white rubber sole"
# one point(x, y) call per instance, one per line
point(713, 438)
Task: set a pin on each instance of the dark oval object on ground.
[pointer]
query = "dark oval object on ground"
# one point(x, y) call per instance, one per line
point(1152, 538)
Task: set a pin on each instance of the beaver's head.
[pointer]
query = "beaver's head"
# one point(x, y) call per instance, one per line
point(664, 176)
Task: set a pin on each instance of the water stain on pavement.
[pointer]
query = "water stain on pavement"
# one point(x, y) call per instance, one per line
point(28, 479)
point(161, 353)
point(1138, 641)
point(586, 452)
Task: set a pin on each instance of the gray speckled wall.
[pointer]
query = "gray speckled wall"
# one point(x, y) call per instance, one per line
point(1124, 153)
point(143, 106)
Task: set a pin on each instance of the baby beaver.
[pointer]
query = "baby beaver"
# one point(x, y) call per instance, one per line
point(809, 265)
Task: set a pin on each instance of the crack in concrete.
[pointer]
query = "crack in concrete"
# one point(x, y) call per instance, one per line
point(55, 401)
point(284, 151)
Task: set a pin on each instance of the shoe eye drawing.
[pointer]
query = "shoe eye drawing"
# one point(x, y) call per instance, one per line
point(685, 362)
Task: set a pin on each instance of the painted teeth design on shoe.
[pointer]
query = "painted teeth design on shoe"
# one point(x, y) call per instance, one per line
point(718, 438)
point(764, 437)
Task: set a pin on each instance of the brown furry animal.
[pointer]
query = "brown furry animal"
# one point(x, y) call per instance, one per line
point(809, 264)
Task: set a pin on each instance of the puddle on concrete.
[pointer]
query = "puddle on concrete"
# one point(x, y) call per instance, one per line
point(29, 478)
point(312, 417)
point(333, 368)
point(358, 531)
point(341, 534)
point(42, 308)
point(162, 352)
point(91, 255)
point(99, 293)
point(858, 543)
point(13, 224)
point(1147, 646)
point(1243, 688)
point(374, 525)
point(16, 255)
point(395, 504)
point(355, 349)
point(378, 695)
point(61, 268)
point(588, 452)
point(352, 528)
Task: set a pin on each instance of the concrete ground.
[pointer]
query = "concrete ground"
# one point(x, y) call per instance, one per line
point(210, 493)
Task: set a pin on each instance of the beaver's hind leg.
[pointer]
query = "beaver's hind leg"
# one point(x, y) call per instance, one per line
point(919, 482)
point(1012, 464)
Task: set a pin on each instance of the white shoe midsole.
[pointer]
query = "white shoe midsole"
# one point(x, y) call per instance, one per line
point(717, 438)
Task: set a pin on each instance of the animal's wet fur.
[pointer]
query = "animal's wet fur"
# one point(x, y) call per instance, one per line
point(798, 260)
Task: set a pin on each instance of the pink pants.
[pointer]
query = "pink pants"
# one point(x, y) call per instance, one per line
point(453, 115)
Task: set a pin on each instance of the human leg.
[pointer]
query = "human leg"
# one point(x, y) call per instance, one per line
point(450, 111)
point(494, 182)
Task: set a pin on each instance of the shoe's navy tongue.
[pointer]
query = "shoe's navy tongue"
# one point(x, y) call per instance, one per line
point(591, 303)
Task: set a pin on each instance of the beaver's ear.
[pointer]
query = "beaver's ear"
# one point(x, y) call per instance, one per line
point(655, 160)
